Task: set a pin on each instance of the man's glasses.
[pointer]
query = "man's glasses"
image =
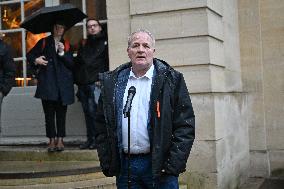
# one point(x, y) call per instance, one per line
point(93, 25)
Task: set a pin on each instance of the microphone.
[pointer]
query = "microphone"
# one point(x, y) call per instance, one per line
point(127, 106)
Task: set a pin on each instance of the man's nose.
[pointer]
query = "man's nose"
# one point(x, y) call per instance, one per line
point(141, 48)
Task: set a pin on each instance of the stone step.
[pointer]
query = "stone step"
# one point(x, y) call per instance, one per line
point(32, 167)
point(182, 186)
point(97, 183)
point(39, 153)
point(40, 169)
point(83, 181)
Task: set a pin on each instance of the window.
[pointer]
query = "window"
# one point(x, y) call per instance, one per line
point(11, 15)
point(94, 9)
point(22, 41)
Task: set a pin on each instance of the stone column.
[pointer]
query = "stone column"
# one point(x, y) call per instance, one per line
point(118, 17)
point(251, 50)
point(262, 41)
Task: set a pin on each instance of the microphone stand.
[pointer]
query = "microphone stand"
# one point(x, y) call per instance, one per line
point(126, 112)
point(128, 151)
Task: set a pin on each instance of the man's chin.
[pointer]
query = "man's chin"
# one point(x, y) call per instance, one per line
point(140, 60)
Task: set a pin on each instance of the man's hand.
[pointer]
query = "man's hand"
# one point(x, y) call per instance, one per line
point(41, 61)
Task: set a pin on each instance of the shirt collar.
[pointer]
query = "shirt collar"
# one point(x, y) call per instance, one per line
point(148, 74)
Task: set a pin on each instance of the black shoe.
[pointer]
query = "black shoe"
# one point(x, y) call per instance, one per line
point(92, 146)
point(51, 149)
point(59, 149)
point(86, 145)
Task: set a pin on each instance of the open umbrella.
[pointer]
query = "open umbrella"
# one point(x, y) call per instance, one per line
point(43, 19)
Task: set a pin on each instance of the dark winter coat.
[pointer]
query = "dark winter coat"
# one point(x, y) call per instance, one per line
point(55, 81)
point(91, 60)
point(171, 128)
point(7, 69)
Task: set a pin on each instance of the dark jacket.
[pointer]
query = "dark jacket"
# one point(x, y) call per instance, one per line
point(55, 81)
point(91, 60)
point(7, 69)
point(171, 133)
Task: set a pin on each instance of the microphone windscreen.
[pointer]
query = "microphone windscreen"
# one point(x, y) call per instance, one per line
point(132, 90)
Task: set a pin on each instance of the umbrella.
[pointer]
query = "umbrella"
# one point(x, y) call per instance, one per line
point(43, 19)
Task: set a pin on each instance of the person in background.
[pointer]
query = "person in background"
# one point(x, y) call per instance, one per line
point(92, 59)
point(54, 63)
point(7, 71)
point(162, 128)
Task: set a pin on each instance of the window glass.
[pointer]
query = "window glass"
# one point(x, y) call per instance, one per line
point(96, 9)
point(74, 35)
point(76, 3)
point(19, 81)
point(31, 75)
point(15, 41)
point(32, 39)
point(32, 6)
point(10, 16)
point(19, 74)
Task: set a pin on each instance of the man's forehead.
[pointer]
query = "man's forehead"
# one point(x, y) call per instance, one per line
point(92, 22)
point(141, 35)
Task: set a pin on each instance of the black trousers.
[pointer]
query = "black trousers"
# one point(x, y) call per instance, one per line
point(52, 110)
point(87, 99)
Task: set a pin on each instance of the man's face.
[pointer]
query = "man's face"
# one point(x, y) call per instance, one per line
point(58, 30)
point(93, 27)
point(141, 51)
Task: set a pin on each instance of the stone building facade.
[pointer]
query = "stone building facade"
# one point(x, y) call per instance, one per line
point(231, 54)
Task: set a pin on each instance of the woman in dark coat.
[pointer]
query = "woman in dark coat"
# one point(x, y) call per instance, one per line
point(53, 61)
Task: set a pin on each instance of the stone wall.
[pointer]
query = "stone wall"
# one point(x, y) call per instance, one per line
point(262, 43)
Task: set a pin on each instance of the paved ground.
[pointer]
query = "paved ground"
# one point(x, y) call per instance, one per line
point(273, 183)
point(252, 183)
point(261, 183)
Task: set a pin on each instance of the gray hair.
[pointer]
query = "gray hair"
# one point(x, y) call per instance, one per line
point(130, 37)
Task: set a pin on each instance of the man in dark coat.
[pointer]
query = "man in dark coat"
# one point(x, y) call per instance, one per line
point(91, 60)
point(54, 63)
point(162, 120)
point(7, 71)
